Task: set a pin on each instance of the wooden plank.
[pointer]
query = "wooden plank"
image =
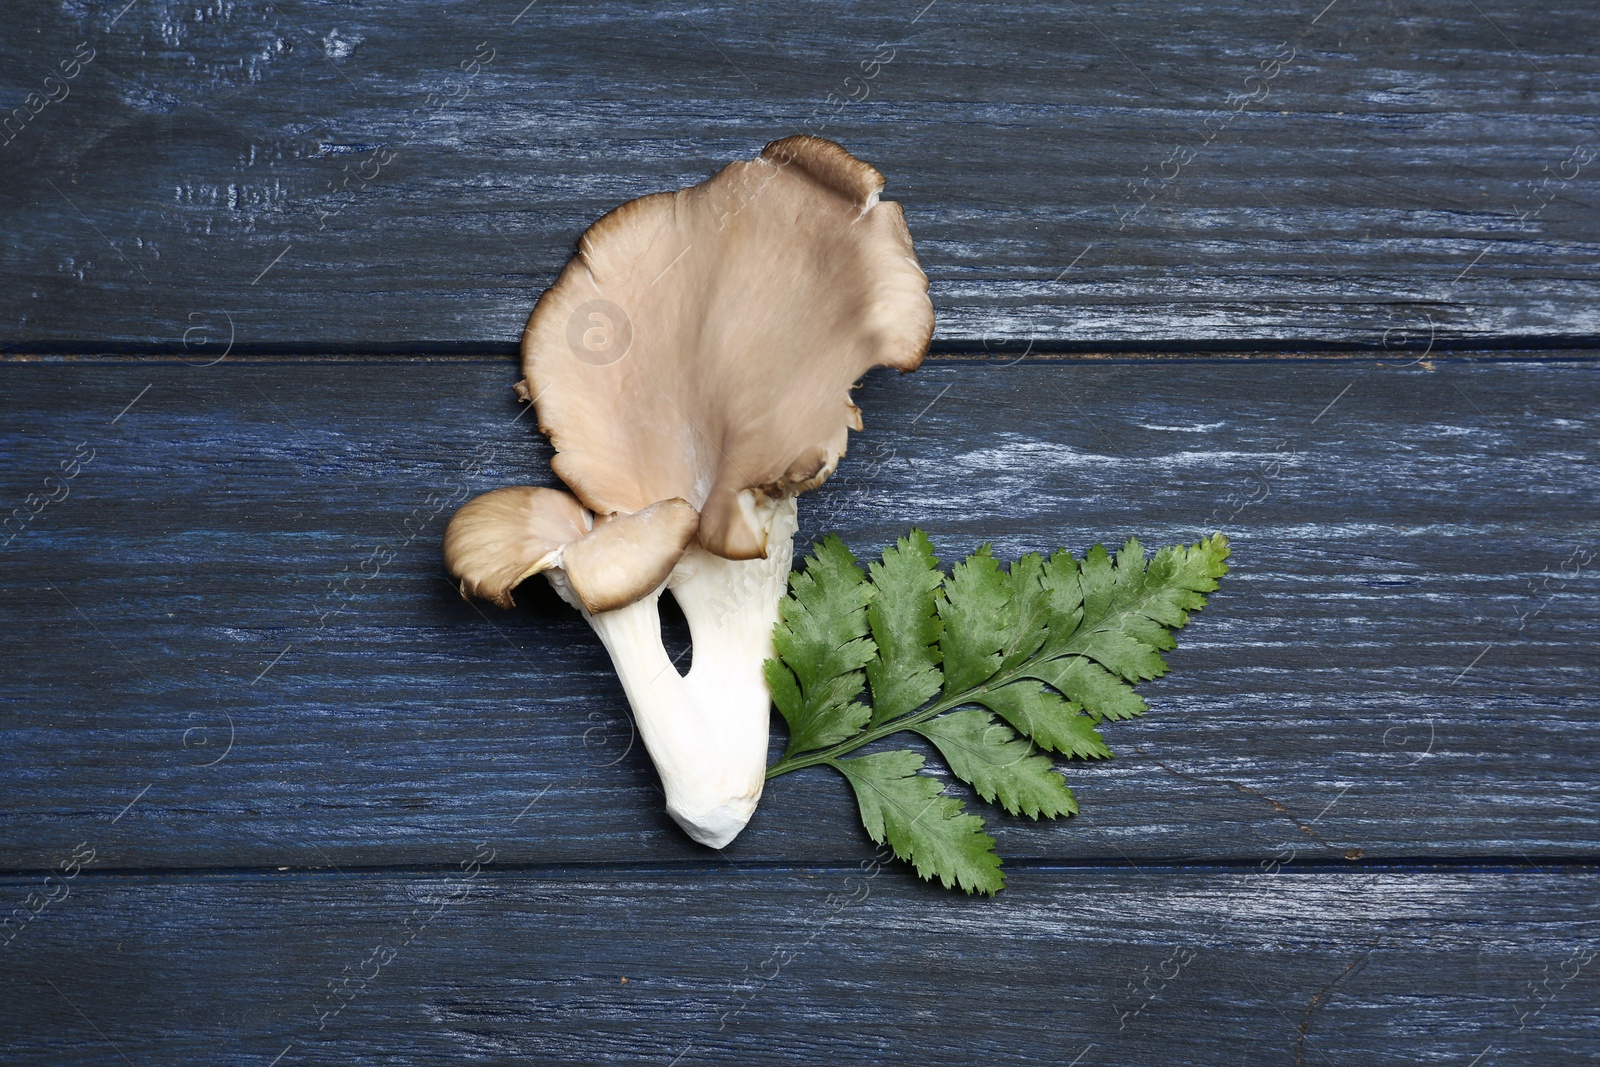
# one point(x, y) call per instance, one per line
point(817, 965)
point(1075, 173)
point(1400, 666)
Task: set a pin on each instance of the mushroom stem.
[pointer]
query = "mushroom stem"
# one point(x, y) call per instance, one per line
point(732, 608)
point(705, 730)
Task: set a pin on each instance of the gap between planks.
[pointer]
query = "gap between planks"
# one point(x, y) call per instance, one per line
point(997, 355)
point(1490, 864)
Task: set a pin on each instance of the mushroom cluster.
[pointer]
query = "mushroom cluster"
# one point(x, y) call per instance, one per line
point(692, 367)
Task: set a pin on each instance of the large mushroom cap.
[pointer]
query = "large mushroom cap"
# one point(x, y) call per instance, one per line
point(702, 344)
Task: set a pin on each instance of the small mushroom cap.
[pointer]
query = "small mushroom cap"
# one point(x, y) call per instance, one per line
point(626, 556)
point(500, 539)
point(702, 344)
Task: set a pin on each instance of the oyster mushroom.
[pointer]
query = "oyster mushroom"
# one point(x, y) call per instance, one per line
point(692, 367)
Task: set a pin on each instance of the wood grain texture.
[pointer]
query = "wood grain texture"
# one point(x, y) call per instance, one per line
point(815, 965)
point(1358, 824)
point(1084, 173)
point(1401, 664)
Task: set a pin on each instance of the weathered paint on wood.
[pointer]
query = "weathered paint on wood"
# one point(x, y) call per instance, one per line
point(395, 175)
point(244, 708)
point(1401, 664)
point(811, 965)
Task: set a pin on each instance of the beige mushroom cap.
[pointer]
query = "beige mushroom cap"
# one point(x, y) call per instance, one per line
point(501, 538)
point(702, 344)
point(628, 555)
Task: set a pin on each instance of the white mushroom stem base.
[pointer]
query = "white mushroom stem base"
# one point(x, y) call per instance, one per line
point(706, 730)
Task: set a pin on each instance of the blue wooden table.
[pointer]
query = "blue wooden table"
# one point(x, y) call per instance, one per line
point(1323, 278)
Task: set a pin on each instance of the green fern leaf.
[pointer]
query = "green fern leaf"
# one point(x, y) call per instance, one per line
point(822, 646)
point(945, 655)
point(1053, 723)
point(905, 627)
point(911, 812)
point(977, 621)
point(1000, 766)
